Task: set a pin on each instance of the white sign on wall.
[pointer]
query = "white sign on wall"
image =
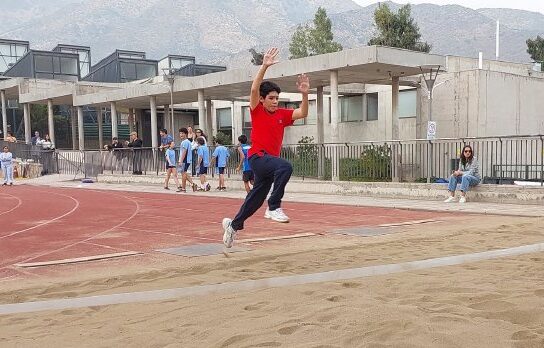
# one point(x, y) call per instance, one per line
point(431, 130)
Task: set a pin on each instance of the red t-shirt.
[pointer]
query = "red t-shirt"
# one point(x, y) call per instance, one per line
point(267, 130)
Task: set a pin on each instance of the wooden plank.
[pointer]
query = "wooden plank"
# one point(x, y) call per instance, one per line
point(77, 259)
point(264, 239)
point(409, 223)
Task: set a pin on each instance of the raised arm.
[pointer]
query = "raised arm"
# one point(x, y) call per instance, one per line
point(303, 86)
point(268, 60)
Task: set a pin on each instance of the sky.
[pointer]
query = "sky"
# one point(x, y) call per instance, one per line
point(529, 5)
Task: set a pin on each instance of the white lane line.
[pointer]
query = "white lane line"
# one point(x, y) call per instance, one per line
point(136, 211)
point(275, 282)
point(47, 221)
point(19, 202)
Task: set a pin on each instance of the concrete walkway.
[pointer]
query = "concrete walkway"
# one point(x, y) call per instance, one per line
point(356, 200)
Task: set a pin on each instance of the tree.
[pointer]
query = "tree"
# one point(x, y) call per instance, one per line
point(320, 39)
point(256, 57)
point(314, 40)
point(299, 43)
point(397, 29)
point(536, 49)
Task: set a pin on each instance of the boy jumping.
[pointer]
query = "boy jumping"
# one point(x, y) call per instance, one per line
point(268, 123)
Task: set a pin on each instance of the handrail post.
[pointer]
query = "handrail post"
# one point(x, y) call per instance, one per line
point(541, 160)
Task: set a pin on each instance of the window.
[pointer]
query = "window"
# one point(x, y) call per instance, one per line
point(43, 63)
point(351, 108)
point(144, 71)
point(68, 66)
point(372, 106)
point(128, 71)
point(246, 121)
point(408, 103)
point(224, 121)
point(312, 114)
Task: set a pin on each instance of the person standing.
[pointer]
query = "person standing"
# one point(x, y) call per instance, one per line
point(220, 157)
point(185, 159)
point(269, 122)
point(136, 144)
point(36, 138)
point(170, 155)
point(203, 163)
point(6, 159)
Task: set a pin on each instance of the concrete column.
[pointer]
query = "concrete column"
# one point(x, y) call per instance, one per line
point(335, 154)
point(51, 121)
point(73, 123)
point(320, 133)
point(99, 120)
point(131, 120)
point(154, 136)
point(4, 114)
point(26, 121)
point(114, 132)
point(81, 132)
point(209, 131)
point(233, 122)
point(395, 108)
point(319, 120)
point(201, 110)
point(396, 156)
point(335, 117)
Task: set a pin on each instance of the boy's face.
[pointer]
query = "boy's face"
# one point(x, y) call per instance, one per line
point(6, 149)
point(182, 135)
point(270, 103)
point(172, 145)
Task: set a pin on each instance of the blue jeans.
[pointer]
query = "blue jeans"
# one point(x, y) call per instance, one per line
point(466, 182)
point(268, 170)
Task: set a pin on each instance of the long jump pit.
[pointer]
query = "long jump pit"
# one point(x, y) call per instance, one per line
point(99, 268)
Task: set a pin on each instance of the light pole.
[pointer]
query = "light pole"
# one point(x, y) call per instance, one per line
point(429, 74)
point(169, 73)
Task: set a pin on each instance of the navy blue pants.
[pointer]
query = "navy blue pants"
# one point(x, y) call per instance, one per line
point(268, 170)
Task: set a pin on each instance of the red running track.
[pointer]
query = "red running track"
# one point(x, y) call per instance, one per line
point(45, 224)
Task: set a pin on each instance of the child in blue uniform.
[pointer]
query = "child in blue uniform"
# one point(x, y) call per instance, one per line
point(247, 174)
point(220, 156)
point(170, 155)
point(203, 164)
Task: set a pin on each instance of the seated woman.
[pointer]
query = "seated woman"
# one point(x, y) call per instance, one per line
point(467, 175)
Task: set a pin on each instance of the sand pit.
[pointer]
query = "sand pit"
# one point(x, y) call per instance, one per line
point(494, 303)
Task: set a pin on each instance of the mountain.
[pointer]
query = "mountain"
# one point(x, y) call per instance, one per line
point(221, 31)
point(453, 29)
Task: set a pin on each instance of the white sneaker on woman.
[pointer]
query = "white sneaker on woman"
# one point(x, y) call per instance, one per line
point(462, 199)
point(450, 199)
point(277, 215)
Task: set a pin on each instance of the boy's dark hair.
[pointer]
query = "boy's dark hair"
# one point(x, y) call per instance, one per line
point(267, 87)
point(164, 131)
point(242, 139)
point(114, 138)
point(200, 141)
point(218, 141)
point(184, 131)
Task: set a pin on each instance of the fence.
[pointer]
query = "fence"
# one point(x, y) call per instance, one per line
point(502, 160)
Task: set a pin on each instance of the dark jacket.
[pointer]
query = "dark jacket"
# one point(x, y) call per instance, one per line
point(136, 143)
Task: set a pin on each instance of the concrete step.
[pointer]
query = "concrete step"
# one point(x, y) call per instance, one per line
point(512, 194)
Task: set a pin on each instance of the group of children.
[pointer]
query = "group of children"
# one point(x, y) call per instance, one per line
point(219, 159)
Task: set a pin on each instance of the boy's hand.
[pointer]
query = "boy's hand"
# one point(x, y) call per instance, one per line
point(270, 56)
point(303, 84)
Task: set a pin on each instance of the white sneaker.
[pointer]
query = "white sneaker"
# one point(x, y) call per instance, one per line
point(277, 215)
point(462, 199)
point(450, 200)
point(230, 233)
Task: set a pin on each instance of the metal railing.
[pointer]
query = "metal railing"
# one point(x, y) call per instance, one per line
point(501, 159)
